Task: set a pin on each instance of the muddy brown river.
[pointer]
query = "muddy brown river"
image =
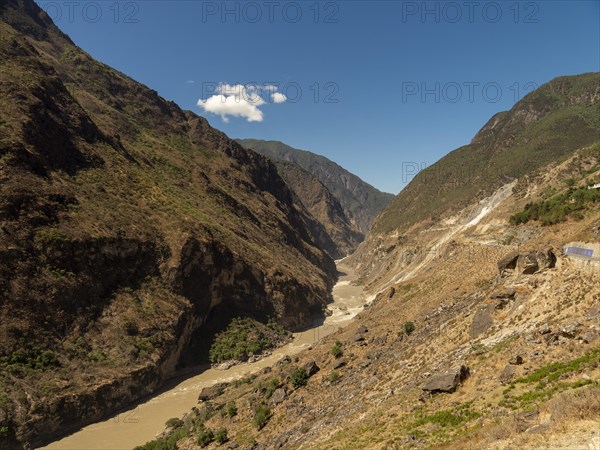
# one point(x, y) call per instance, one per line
point(142, 422)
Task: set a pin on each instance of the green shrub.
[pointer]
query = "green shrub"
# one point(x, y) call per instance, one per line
point(205, 437)
point(409, 327)
point(268, 387)
point(165, 443)
point(333, 376)
point(262, 414)
point(337, 351)
point(299, 377)
point(174, 422)
point(221, 436)
point(242, 337)
point(29, 358)
point(556, 209)
point(231, 409)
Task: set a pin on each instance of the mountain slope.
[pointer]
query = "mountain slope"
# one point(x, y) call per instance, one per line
point(128, 226)
point(493, 344)
point(332, 230)
point(545, 126)
point(483, 331)
point(361, 201)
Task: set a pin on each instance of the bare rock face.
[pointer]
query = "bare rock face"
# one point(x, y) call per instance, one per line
point(212, 392)
point(447, 381)
point(311, 368)
point(482, 321)
point(527, 263)
point(546, 259)
point(507, 374)
point(278, 396)
point(508, 262)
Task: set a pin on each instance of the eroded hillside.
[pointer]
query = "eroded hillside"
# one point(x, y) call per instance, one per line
point(127, 224)
point(483, 334)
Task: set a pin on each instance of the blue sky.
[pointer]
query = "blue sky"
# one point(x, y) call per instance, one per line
point(371, 85)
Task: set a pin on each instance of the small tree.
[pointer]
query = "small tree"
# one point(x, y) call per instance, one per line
point(174, 422)
point(299, 377)
point(262, 414)
point(221, 436)
point(409, 327)
point(231, 409)
point(337, 351)
point(205, 437)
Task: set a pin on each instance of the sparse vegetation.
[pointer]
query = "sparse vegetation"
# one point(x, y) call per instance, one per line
point(262, 414)
point(299, 377)
point(244, 337)
point(337, 350)
point(221, 436)
point(559, 207)
point(333, 376)
point(205, 437)
point(448, 417)
point(231, 409)
point(556, 370)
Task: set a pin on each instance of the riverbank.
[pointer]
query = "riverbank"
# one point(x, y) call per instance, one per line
point(143, 421)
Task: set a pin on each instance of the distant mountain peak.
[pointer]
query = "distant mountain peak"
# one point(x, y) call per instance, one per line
point(361, 201)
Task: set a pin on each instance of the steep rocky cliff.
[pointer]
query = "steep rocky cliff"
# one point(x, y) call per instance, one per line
point(361, 201)
point(127, 224)
point(332, 229)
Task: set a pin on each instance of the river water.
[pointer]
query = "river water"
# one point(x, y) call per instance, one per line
point(142, 422)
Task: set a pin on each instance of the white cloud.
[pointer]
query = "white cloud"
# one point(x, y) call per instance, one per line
point(240, 100)
point(278, 97)
point(231, 105)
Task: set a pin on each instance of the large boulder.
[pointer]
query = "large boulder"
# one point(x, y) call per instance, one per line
point(212, 392)
point(278, 396)
point(546, 259)
point(311, 368)
point(527, 264)
point(507, 374)
point(482, 321)
point(447, 381)
point(508, 262)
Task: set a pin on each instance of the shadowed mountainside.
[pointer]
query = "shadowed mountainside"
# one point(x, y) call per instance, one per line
point(361, 201)
point(127, 224)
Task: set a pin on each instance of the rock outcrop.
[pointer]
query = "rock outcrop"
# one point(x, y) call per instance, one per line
point(447, 381)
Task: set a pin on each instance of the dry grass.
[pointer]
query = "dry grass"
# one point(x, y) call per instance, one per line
point(565, 419)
